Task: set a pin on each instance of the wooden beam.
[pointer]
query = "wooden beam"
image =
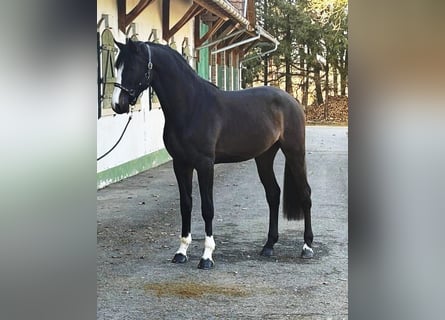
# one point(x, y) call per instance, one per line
point(121, 14)
point(197, 31)
point(226, 29)
point(137, 10)
point(211, 9)
point(192, 12)
point(215, 27)
point(229, 30)
point(125, 19)
point(165, 18)
point(251, 15)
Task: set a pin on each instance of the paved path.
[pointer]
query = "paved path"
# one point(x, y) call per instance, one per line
point(139, 229)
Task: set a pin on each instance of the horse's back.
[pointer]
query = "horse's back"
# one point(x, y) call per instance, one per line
point(263, 106)
point(262, 98)
point(254, 119)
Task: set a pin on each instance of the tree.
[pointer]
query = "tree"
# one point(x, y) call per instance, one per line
point(312, 50)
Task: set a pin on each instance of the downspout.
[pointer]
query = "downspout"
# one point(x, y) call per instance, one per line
point(236, 44)
point(221, 39)
point(260, 33)
point(233, 45)
point(262, 54)
point(258, 56)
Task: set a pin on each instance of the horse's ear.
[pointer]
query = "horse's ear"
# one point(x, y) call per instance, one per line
point(132, 45)
point(119, 45)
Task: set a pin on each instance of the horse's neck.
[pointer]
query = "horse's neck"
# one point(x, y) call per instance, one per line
point(176, 92)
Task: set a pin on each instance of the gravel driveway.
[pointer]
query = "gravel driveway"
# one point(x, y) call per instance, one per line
point(139, 228)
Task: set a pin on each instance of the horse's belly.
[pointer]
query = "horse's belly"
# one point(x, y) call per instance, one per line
point(239, 149)
point(248, 132)
point(226, 158)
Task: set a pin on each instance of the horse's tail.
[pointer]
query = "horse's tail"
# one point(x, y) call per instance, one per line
point(296, 193)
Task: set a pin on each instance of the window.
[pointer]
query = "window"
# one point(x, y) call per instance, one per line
point(107, 57)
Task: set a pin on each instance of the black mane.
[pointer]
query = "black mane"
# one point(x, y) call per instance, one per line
point(179, 61)
point(182, 64)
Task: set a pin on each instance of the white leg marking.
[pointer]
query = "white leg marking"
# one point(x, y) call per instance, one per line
point(117, 91)
point(209, 246)
point(184, 245)
point(306, 247)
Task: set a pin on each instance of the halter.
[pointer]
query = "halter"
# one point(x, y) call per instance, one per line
point(132, 92)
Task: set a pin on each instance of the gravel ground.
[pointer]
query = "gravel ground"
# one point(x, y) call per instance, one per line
point(139, 228)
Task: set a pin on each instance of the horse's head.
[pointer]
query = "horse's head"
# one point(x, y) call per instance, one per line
point(134, 74)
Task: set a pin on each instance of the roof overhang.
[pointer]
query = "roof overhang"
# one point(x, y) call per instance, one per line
point(243, 34)
point(224, 10)
point(229, 29)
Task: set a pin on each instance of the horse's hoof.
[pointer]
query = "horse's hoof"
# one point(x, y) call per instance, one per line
point(205, 264)
point(179, 258)
point(266, 252)
point(307, 252)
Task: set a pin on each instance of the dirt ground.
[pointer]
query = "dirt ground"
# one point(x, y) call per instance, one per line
point(138, 230)
point(334, 111)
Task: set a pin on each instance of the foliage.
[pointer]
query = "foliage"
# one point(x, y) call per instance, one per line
point(313, 40)
point(330, 12)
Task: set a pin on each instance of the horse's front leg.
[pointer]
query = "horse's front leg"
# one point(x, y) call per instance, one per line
point(184, 176)
point(205, 180)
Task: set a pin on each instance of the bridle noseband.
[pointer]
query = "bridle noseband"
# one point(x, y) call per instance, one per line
point(147, 77)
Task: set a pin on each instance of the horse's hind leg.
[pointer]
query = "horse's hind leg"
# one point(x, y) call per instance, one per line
point(264, 164)
point(297, 195)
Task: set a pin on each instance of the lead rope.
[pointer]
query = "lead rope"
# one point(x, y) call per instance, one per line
point(120, 138)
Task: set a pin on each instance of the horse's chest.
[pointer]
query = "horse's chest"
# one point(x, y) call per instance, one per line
point(174, 145)
point(179, 146)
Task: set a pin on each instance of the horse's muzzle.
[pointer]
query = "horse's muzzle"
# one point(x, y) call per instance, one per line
point(119, 108)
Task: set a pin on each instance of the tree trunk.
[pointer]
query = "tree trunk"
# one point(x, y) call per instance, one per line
point(266, 70)
point(344, 74)
point(343, 84)
point(303, 86)
point(317, 80)
point(287, 60)
point(326, 88)
point(288, 76)
point(305, 98)
point(306, 89)
point(266, 60)
point(335, 76)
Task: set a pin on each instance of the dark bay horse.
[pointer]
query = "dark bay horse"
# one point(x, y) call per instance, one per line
point(205, 125)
